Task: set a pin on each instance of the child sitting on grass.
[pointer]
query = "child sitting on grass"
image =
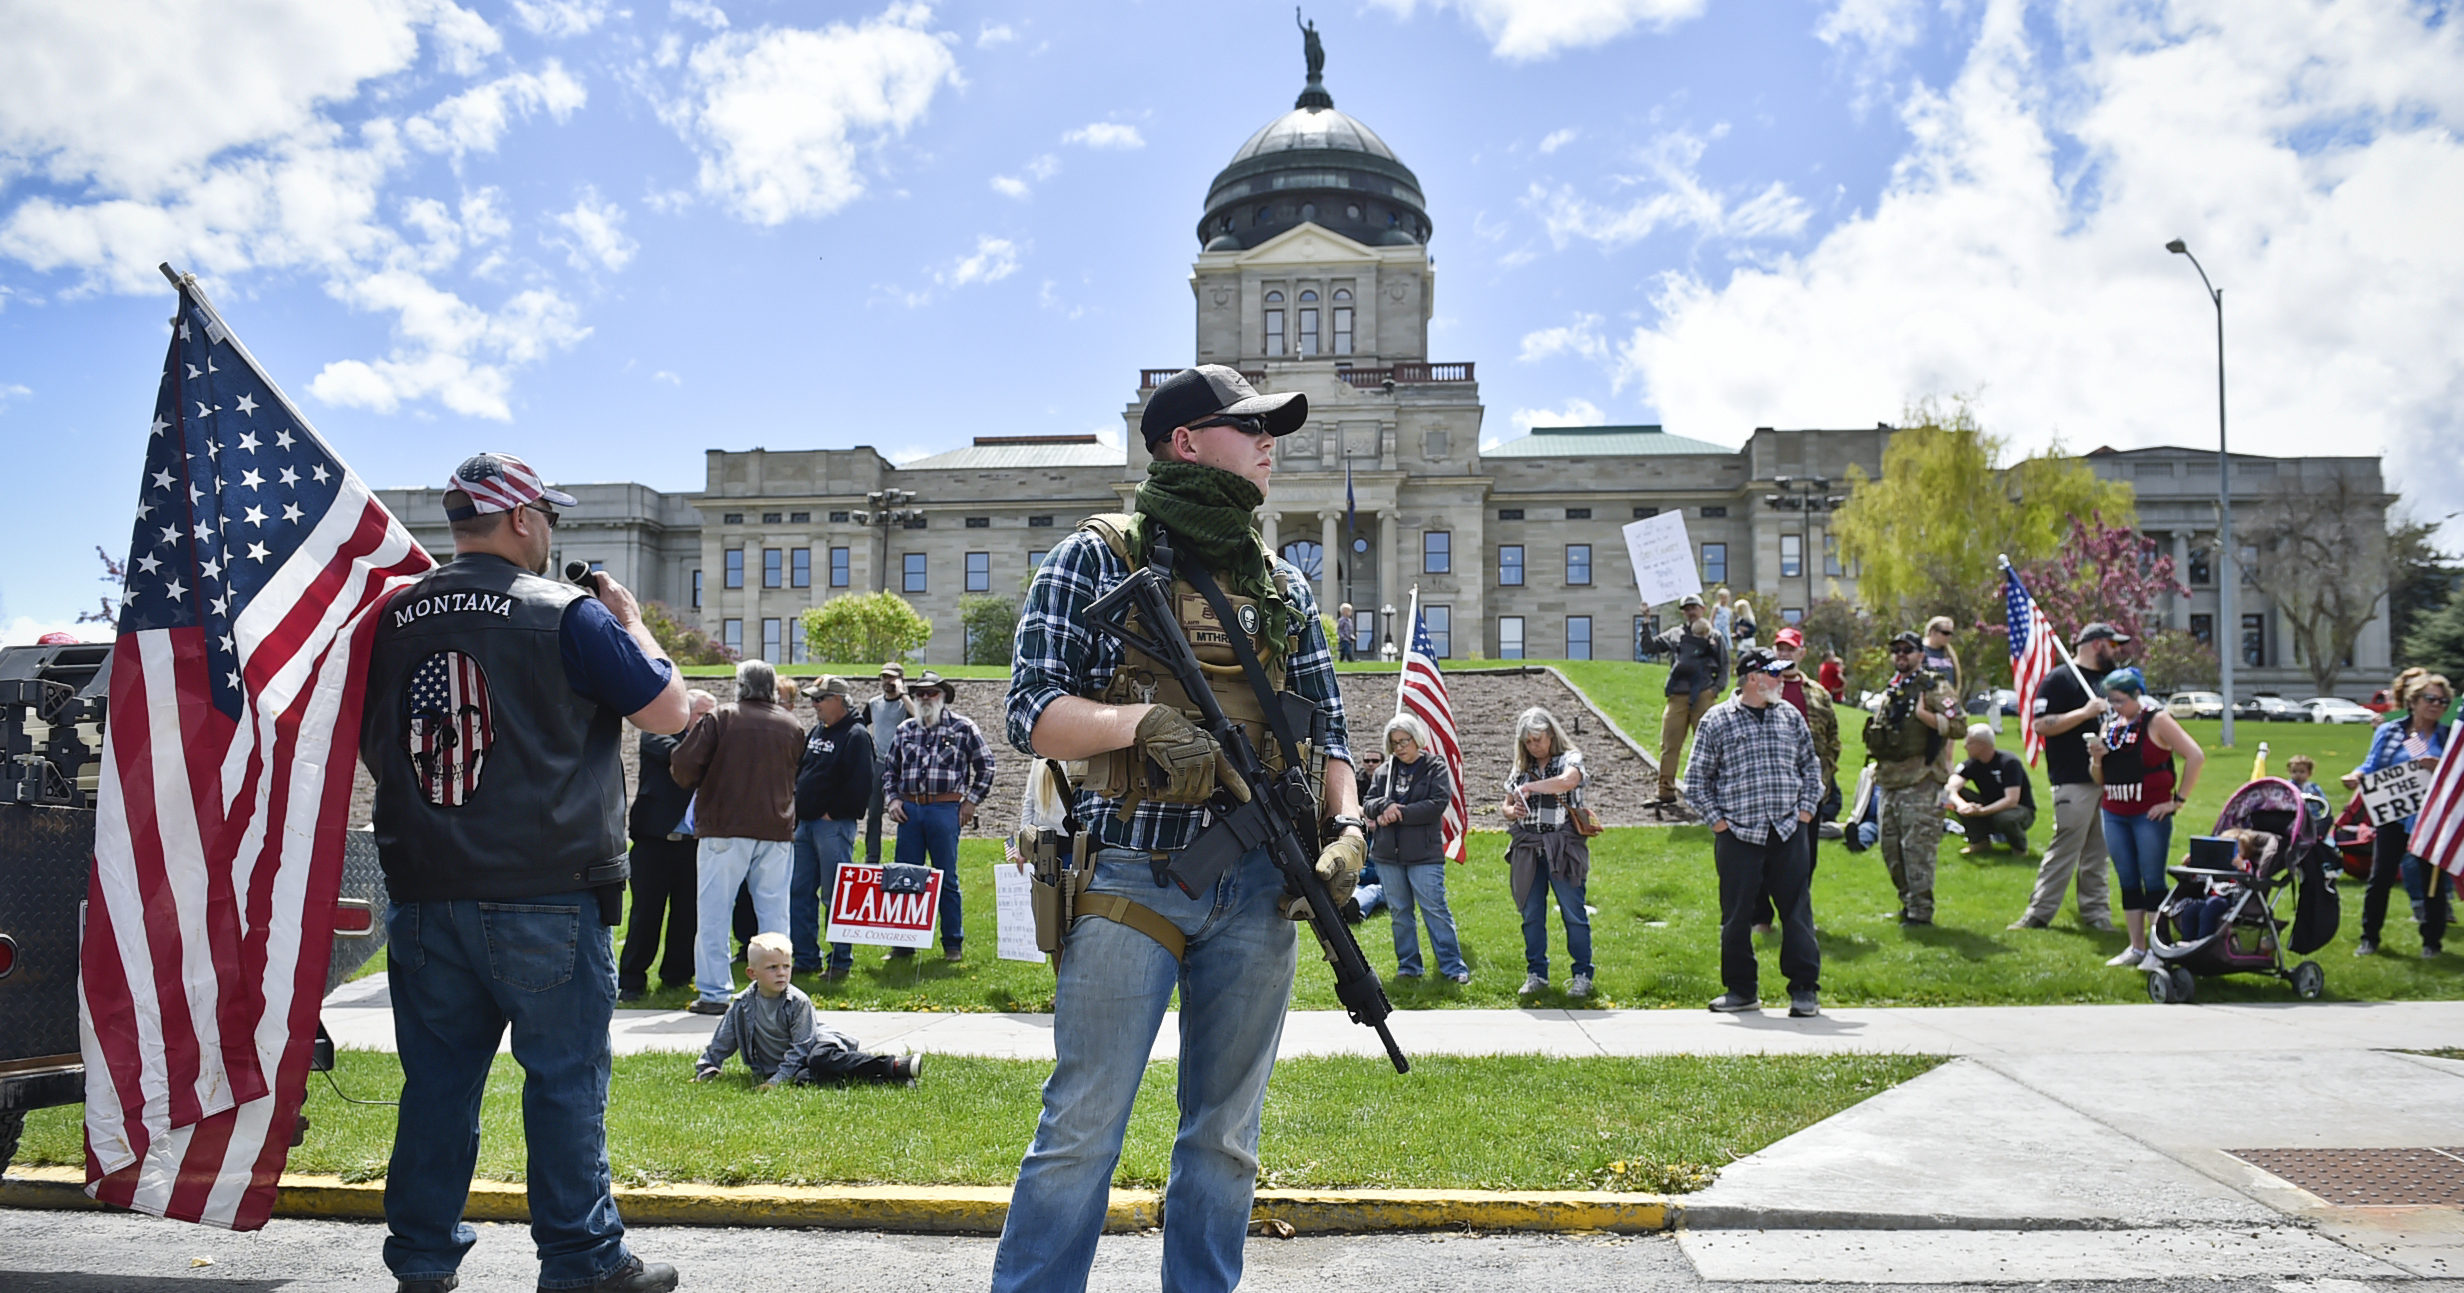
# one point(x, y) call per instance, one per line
point(771, 1026)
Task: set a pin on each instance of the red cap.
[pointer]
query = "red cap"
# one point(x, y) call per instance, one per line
point(1789, 637)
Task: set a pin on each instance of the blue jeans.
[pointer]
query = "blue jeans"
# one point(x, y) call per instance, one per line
point(1422, 884)
point(726, 864)
point(931, 830)
point(2138, 847)
point(822, 846)
point(1113, 984)
point(461, 973)
point(1536, 925)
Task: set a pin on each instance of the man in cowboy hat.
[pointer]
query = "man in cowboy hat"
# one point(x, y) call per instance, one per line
point(938, 772)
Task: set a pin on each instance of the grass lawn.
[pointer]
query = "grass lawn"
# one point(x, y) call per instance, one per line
point(1512, 1122)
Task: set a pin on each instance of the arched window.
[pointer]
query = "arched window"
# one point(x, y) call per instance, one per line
point(1352, 212)
point(1308, 210)
point(1308, 555)
point(1308, 324)
point(1274, 323)
point(1343, 321)
point(1265, 214)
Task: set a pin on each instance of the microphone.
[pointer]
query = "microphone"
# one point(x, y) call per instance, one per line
point(578, 572)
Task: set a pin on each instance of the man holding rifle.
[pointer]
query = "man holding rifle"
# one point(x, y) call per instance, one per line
point(1168, 898)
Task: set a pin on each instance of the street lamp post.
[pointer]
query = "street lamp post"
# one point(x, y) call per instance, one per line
point(2228, 569)
point(1811, 495)
point(889, 508)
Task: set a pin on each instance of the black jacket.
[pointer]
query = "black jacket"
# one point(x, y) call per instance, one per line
point(658, 802)
point(1696, 664)
point(1421, 789)
point(835, 777)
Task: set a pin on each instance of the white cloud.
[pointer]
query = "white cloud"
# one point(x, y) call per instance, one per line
point(12, 391)
point(560, 18)
point(1010, 186)
point(1677, 198)
point(700, 11)
point(911, 453)
point(462, 39)
point(779, 116)
point(25, 630)
point(597, 233)
point(1043, 166)
point(992, 260)
point(456, 353)
point(1108, 434)
point(1106, 134)
point(1526, 30)
point(1577, 412)
point(473, 121)
point(1872, 27)
point(2016, 252)
point(1039, 168)
point(1581, 338)
point(665, 376)
point(1557, 139)
point(993, 34)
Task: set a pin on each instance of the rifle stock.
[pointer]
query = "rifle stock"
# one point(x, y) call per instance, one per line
point(1280, 815)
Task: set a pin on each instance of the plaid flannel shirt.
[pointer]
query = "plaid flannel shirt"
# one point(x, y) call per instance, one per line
point(1753, 769)
point(1059, 655)
point(949, 758)
point(1548, 812)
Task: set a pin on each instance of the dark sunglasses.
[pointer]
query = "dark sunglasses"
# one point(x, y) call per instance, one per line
point(543, 510)
point(1244, 423)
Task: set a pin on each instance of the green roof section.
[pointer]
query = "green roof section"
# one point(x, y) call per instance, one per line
point(1602, 442)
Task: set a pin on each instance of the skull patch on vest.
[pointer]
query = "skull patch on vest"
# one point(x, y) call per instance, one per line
point(449, 728)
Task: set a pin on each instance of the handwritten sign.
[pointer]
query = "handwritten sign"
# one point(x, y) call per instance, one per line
point(861, 913)
point(1013, 900)
point(2393, 794)
point(1663, 559)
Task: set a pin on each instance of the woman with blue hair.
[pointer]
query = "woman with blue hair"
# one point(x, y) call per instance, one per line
point(2133, 761)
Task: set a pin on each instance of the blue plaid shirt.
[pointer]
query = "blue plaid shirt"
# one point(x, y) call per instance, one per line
point(949, 758)
point(1059, 655)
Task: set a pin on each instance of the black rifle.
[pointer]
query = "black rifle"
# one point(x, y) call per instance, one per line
point(1280, 816)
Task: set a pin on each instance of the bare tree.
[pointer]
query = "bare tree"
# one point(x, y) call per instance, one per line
point(115, 573)
point(2323, 558)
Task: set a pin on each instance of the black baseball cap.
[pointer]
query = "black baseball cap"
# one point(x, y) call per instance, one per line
point(2100, 632)
point(1907, 637)
point(1193, 395)
point(1759, 660)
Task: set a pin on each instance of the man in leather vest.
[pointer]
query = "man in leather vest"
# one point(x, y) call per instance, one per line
point(1076, 695)
point(496, 699)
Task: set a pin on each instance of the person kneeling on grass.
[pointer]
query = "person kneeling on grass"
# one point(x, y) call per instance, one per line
point(1991, 795)
point(771, 1027)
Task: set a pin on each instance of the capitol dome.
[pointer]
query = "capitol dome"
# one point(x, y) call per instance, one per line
point(1314, 165)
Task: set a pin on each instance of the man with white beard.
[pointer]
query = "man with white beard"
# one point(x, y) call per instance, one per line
point(938, 771)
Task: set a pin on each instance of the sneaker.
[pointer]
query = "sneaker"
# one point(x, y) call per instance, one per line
point(445, 1285)
point(2027, 922)
point(1735, 1003)
point(1906, 921)
point(2127, 957)
point(1407, 974)
point(1533, 985)
point(1970, 850)
point(631, 994)
point(708, 1008)
point(1461, 976)
point(1580, 987)
point(1803, 1005)
point(2100, 926)
point(835, 974)
point(2430, 950)
point(2366, 947)
point(907, 1068)
point(635, 1276)
point(953, 953)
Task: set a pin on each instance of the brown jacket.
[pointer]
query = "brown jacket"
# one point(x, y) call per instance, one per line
point(742, 758)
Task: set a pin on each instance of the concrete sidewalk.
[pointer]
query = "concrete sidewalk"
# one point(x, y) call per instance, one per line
point(359, 1015)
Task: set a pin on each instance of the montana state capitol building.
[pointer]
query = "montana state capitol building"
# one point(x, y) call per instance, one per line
point(1313, 274)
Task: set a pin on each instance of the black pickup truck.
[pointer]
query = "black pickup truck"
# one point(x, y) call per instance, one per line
point(53, 703)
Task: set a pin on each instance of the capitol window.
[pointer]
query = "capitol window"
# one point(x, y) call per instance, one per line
point(1308, 324)
point(1274, 323)
point(1343, 322)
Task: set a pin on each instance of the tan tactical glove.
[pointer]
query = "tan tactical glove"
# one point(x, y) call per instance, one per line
point(1339, 866)
point(1191, 763)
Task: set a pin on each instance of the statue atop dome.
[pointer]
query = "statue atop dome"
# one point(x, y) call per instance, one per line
point(1314, 94)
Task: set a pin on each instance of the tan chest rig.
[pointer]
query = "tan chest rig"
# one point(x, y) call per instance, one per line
point(1142, 680)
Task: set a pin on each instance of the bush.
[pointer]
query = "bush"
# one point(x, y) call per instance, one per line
point(989, 626)
point(864, 628)
point(2437, 640)
point(2175, 661)
point(683, 643)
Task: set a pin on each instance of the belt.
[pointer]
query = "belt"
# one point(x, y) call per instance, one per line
point(951, 798)
point(1535, 829)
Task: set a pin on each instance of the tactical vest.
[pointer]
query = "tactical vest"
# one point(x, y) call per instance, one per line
point(1893, 734)
point(1142, 679)
point(495, 779)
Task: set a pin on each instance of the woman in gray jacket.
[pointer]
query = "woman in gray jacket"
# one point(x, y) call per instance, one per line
point(1408, 844)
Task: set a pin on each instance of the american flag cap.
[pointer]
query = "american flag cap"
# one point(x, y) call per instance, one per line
point(500, 482)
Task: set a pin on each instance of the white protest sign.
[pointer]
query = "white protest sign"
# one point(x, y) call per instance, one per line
point(2393, 794)
point(1663, 559)
point(1013, 901)
point(861, 913)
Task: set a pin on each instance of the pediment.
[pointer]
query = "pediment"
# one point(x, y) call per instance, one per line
point(1307, 244)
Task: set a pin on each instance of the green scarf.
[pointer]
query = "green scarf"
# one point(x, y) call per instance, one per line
point(1212, 514)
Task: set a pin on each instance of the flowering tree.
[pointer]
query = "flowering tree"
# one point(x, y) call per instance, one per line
point(2108, 573)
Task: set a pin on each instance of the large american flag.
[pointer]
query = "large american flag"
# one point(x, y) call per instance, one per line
point(226, 781)
point(2438, 831)
point(2031, 656)
point(1422, 692)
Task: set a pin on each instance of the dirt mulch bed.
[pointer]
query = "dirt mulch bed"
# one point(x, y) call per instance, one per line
point(1620, 788)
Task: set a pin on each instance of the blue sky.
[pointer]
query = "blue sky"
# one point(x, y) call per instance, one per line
point(610, 238)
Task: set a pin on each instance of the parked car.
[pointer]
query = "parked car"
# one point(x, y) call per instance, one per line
point(1998, 700)
point(2380, 702)
point(2196, 704)
point(2336, 709)
point(2269, 709)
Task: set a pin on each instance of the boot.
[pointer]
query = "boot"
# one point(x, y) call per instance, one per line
point(635, 1276)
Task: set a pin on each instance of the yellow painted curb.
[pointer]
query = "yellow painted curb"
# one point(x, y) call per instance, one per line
point(948, 1210)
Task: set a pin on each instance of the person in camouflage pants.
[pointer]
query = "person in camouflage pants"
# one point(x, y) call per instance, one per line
point(1911, 783)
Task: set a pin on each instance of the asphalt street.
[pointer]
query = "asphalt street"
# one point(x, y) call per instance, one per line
point(64, 1252)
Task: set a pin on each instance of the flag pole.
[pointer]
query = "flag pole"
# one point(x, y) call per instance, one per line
point(2059, 646)
point(1411, 631)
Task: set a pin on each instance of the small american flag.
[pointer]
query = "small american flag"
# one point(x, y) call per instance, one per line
point(2031, 656)
point(1422, 693)
point(236, 682)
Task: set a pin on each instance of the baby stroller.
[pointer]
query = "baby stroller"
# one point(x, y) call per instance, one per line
point(2248, 936)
